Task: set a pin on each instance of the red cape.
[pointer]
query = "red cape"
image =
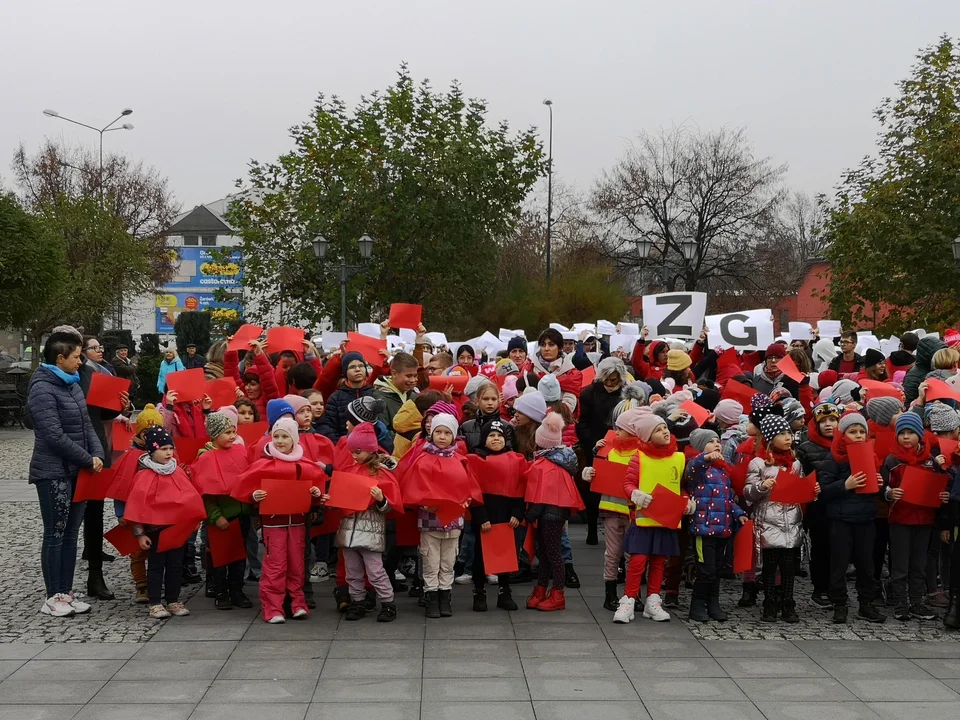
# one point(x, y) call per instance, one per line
point(163, 499)
point(386, 481)
point(216, 471)
point(124, 471)
point(318, 448)
point(433, 479)
point(268, 467)
point(501, 474)
point(550, 484)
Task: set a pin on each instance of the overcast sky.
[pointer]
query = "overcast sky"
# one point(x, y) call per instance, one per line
point(215, 83)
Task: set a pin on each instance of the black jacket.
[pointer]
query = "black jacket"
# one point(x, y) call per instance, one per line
point(197, 361)
point(98, 416)
point(333, 422)
point(596, 407)
point(811, 455)
point(835, 363)
point(471, 429)
point(843, 504)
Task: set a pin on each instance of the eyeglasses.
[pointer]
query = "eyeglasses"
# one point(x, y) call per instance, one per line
point(95, 348)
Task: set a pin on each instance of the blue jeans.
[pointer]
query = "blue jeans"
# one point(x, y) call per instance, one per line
point(61, 527)
point(467, 542)
point(566, 548)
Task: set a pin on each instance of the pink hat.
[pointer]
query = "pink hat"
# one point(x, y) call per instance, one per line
point(297, 402)
point(550, 433)
point(288, 425)
point(510, 388)
point(363, 437)
point(628, 419)
point(646, 424)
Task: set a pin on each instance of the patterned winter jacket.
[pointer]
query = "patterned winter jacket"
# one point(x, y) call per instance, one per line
point(709, 485)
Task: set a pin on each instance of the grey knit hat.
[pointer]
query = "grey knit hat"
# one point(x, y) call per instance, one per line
point(850, 419)
point(942, 418)
point(700, 437)
point(882, 409)
point(364, 409)
point(843, 390)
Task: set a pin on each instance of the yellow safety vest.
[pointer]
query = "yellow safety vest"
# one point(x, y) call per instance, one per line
point(609, 502)
point(666, 471)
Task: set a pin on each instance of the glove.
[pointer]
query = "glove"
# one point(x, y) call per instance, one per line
point(640, 499)
point(588, 473)
point(691, 507)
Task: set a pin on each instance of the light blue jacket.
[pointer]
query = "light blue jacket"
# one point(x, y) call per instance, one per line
point(167, 367)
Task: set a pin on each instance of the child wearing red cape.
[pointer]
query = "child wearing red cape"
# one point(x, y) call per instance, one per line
point(284, 536)
point(214, 471)
point(162, 497)
point(362, 536)
point(551, 496)
point(437, 480)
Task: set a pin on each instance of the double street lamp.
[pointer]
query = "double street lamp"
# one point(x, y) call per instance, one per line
point(687, 247)
point(345, 272)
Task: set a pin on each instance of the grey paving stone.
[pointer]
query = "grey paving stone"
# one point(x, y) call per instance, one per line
point(47, 670)
point(90, 651)
point(711, 689)
point(249, 711)
point(569, 616)
point(247, 668)
point(818, 711)
point(684, 710)
point(599, 710)
point(185, 631)
point(336, 668)
point(578, 632)
point(491, 667)
point(857, 669)
point(847, 648)
point(380, 631)
point(639, 668)
point(262, 691)
point(901, 710)
point(40, 712)
point(136, 669)
point(8, 667)
point(895, 689)
point(771, 667)
point(478, 710)
point(752, 649)
point(126, 711)
point(479, 649)
point(913, 649)
point(281, 649)
point(213, 650)
point(658, 648)
point(481, 690)
point(367, 711)
point(359, 649)
point(559, 667)
point(30, 692)
point(450, 630)
point(368, 690)
point(794, 690)
point(20, 651)
point(152, 691)
point(946, 668)
point(565, 649)
point(574, 688)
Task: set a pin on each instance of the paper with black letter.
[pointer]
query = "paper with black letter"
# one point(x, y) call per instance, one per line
point(747, 330)
point(678, 315)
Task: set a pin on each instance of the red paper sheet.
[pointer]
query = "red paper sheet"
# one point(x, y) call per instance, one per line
point(407, 316)
point(499, 549)
point(609, 478)
point(189, 385)
point(91, 485)
point(449, 512)
point(728, 357)
point(242, 337)
point(666, 507)
point(226, 546)
point(121, 537)
point(440, 382)
point(350, 492)
point(529, 542)
point(222, 391)
point(105, 391)
point(698, 413)
point(176, 536)
point(122, 436)
point(789, 368)
point(923, 487)
point(587, 376)
point(794, 489)
point(864, 460)
point(251, 432)
point(743, 394)
point(738, 477)
point(188, 448)
point(283, 338)
point(948, 447)
point(883, 443)
point(743, 548)
point(285, 497)
point(938, 390)
point(330, 524)
point(408, 534)
point(877, 389)
point(368, 347)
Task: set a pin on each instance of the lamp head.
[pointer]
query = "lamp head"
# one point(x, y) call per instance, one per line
point(127, 126)
point(548, 101)
point(320, 245)
point(366, 246)
point(126, 111)
point(51, 113)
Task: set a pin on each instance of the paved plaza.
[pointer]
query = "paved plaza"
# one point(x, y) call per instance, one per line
point(115, 663)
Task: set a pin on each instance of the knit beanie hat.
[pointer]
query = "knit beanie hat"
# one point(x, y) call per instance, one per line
point(851, 419)
point(700, 438)
point(363, 437)
point(217, 424)
point(825, 410)
point(517, 343)
point(507, 367)
point(773, 425)
point(678, 360)
point(473, 385)
point(793, 410)
point(550, 433)
point(148, 417)
point(509, 388)
point(627, 420)
point(499, 426)
point(728, 411)
point(872, 357)
point(910, 421)
point(289, 425)
point(843, 390)
point(882, 409)
point(349, 358)
point(532, 405)
point(827, 378)
point(549, 387)
point(646, 424)
point(297, 402)
point(443, 406)
point(156, 437)
point(364, 409)
point(277, 408)
point(942, 418)
point(776, 350)
point(445, 420)
point(231, 412)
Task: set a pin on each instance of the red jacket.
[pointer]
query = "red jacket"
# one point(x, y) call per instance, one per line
point(265, 372)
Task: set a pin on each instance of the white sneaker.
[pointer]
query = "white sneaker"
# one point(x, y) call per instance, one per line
point(624, 613)
point(178, 609)
point(465, 579)
point(79, 607)
point(319, 573)
point(159, 612)
point(301, 613)
point(276, 620)
point(399, 576)
point(493, 579)
point(58, 606)
point(653, 609)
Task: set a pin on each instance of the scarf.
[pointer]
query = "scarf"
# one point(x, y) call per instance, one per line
point(434, 450)
point(551, 366)
point(839, 448)
point(625, 445)
point(781, 458)
point(294, 456)
point(166, 468)
point(97, 366)
point(66, 377)
point(657, 451)
point(912, 457)
point(816, 437)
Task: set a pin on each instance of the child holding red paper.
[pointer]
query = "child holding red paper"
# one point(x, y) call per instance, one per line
point(778, 526)
point(657, 462)
point(214, 471)
point(162, 496)
point(259, 379)
point(362, 536)
point(910, 524)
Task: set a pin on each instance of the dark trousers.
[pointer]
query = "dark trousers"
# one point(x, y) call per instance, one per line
point(673, 573)
point(93, 539)
point(818, 529)
point(908, 563)
point(550, 553)
point(61, 527)
point(954, 564)
point(164, 571)
point(711, 555)
point(228, 578)
point(880, 546)
point(938, 563)
point(786, 560)
point(851, 541)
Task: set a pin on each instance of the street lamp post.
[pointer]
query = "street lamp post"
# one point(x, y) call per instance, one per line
point(956, 250)
point(100, 131)
point(345, 272)
point(549, 104)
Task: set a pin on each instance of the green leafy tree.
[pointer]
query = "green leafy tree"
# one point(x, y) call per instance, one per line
point(193, 327)
point(895, 217)
point(420, 171)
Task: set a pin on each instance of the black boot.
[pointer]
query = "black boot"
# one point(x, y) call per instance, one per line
point(479, 600)
point(571, 580)
point(952, 617)
point(839, 614)
point(698, 608)
point(341, 596)
point(211, 590)
point(769, 610)
point(749, 597)
point(433, 603)
point(238, 598)
point(592, 538)
point(870, 614)
point(388, 612)
point(713, 604)
point(370, 601)
point(505, 598)
point(610, 600)
point(789, 612)
point(356, 611)
point(446, 607)
point(223, 601)
point(97, 588)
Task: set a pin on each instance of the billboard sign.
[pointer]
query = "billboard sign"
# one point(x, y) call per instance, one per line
point(197, 267)
point(169, 305)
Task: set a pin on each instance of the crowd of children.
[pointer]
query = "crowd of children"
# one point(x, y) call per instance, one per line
point(527, 444)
